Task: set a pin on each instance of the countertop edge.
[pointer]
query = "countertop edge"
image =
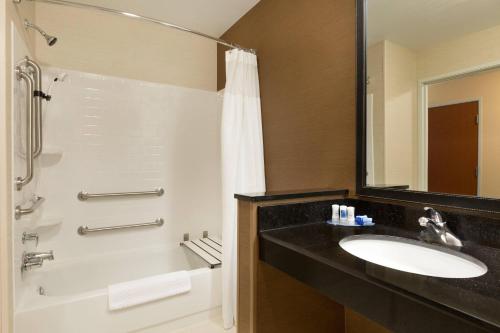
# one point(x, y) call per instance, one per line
point(268, 196)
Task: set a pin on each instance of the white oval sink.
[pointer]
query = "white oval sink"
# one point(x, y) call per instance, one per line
point(412, 256)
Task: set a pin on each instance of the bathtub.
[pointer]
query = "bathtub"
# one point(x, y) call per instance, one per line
point(75, 296)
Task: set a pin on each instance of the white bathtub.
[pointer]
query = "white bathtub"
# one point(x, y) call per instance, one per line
point(75, 299)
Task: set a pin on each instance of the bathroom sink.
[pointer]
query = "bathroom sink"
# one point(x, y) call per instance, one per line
point(412, 256)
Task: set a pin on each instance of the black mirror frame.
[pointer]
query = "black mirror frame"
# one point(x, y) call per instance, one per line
point(461, 201)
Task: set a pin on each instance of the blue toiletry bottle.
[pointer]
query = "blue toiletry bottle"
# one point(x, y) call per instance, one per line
point(343, 213)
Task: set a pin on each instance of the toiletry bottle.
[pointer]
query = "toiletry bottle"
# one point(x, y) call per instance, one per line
point(335, 213)
point(368, 221)
point(350, 215)
point(359, 220)
point(343, 213)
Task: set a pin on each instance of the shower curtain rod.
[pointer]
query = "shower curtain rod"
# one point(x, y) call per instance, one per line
point(144, 18)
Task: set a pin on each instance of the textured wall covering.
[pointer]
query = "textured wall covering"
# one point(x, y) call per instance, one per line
point(306, 52)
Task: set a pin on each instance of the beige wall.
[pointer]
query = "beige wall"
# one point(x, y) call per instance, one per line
point(471, 51)
point(392, 70)
point(107, 44)
point(9, 14)
point(400, 115)
point(468, 51)
point(376, 86)
point(486, 87)
point(400, 66)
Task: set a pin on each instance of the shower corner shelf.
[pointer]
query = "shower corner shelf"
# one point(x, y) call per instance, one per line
point(208, 248)
point(51, 221)
point(51, 155)
point(35, 222)
point(52, 151)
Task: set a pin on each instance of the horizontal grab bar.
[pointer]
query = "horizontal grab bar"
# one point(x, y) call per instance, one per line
point(37, 201)
point(83, 230)
point(82, 196)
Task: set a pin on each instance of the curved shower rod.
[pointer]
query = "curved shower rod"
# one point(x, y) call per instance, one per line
point(143, 18)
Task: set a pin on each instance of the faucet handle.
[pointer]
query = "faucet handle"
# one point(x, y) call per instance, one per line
point(29, 237)
point(423, 221)
point(435, 216)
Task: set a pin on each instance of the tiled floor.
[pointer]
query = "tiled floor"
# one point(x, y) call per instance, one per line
point(208, 326)
point(207, 322)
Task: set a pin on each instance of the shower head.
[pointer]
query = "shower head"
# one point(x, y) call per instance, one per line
point(51, 40)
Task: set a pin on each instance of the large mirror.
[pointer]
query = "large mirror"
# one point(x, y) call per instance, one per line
point(432, 111)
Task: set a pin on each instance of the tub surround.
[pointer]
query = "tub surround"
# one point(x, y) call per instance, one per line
point(118, 135)
point(295, 239)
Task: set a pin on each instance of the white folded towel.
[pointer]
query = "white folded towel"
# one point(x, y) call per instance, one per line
point(126, 294)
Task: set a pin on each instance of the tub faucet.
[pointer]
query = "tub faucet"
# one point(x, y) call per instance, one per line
point(436, 230)
point(35, 259)
point(49, 255)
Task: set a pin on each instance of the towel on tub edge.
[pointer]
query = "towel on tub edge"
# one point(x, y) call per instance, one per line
point(130, 293)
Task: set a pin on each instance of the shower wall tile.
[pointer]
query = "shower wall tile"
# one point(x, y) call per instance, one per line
point(126, 135)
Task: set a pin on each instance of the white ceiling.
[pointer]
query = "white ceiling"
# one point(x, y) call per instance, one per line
point(212, 17)
point(421, 23)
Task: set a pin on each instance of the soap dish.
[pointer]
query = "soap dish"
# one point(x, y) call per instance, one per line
point(344, 224)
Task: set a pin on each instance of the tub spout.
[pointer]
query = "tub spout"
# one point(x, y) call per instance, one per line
point(49, 255)
point(35, 259)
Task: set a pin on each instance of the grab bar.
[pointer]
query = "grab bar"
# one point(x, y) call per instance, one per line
point(21, 181)
point(83, 230)
point(37, 201)
point(82, 196)
point(37, 96)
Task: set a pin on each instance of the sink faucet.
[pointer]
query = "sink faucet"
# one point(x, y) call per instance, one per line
point(436, 229)
point(35, 259)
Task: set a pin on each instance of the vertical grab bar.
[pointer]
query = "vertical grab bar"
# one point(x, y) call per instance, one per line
point(37, 96)
point(21, 181)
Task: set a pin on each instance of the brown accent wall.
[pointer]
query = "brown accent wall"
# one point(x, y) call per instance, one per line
point(306, 54)
point(270, 301)
point(356, 323)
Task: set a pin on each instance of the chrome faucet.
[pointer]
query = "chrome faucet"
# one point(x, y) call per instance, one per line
point(436, 229)
point(35, 259)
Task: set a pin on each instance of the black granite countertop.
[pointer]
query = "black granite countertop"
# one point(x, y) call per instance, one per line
point(316, 245)
point(291, 194)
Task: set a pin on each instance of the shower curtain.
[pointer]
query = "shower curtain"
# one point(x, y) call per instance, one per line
point(242, 160)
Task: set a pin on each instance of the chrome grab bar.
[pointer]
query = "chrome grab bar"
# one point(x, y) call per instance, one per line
point(83, 230)
point(37, 96)
point(82, 196)
point(37, 201)
point(21, 181)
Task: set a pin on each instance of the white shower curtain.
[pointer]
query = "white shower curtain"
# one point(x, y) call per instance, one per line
point(242, 160)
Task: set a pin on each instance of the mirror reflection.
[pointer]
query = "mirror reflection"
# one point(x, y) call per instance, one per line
point(433, 96)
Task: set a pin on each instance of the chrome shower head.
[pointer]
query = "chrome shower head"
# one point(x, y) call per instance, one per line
point(51, 40)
